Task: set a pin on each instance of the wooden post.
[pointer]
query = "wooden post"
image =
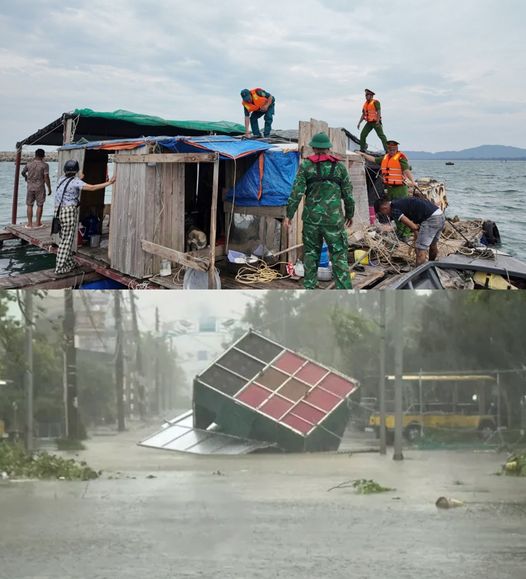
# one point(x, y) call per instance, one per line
point(213, 226)
point(14, 208)
point(67, 135)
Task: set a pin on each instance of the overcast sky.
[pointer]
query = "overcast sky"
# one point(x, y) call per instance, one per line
point(449, 73)
point(191, 305)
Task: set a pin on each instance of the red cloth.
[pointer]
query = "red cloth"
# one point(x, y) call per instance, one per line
point(322, 158)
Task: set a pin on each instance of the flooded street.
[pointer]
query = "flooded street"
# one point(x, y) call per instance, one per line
point(160, 514)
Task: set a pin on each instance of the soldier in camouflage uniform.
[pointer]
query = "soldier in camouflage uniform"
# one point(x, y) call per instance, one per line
point(325, 183)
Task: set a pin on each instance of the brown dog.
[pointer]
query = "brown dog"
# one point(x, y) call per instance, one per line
point(195, 239)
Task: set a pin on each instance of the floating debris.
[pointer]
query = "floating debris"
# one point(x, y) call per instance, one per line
point(515, 465)
point(363, 486)
point(448, 503)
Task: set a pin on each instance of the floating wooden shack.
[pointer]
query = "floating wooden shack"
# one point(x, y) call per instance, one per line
point(232, 190)
point(176, 179)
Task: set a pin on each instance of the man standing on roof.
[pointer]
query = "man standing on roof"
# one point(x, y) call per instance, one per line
point(257, 103)
point(372, 115)
point(325, 183)
point(395, 173)
point(425, 219)
point(36, 174)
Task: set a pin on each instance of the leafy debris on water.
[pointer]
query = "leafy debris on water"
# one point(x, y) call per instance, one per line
point(515, 465)
point(16, 462)
point(363, 486)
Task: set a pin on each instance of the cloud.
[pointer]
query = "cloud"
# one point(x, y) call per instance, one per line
point(442, 70)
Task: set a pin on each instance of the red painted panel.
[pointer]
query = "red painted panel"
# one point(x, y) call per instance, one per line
point(289, 362)
point(311, 373)
point(307, 412)
point(253, 395)
point(321, 399)
point(337, 385)
point(276, 407)
point(298, 423)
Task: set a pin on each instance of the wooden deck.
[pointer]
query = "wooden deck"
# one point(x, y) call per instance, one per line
point(95, 264)
point(92, 259)
point(48, 279)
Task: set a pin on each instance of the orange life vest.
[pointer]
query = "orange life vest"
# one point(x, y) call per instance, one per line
point(257, 101)
point(370, 114)
point(392, 169)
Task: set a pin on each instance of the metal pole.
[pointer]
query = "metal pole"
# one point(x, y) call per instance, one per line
point(119, 363)
point(28, 307)
point(14, 206)
point(70, 357)
point(498, 402)
point(139, 387)
point(399, 353)
point(383, 436)
point(421, 401)
point(157, 378)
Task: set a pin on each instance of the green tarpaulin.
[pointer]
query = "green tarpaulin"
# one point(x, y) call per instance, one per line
point(223, 127)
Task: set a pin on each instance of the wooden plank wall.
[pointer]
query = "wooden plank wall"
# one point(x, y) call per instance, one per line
point(148, 203)
point(355, 166)
point(127, 219)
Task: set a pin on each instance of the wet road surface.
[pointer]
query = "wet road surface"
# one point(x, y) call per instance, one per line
point(265, 516)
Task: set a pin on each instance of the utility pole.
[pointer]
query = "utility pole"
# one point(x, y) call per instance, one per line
point(399, 357)
point(119, 362)
point(383, 438)
point(139, 369)
point(157, 405)
point(70, 369)
point(28, 377)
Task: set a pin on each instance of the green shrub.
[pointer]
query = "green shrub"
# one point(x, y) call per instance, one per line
point(17, 462)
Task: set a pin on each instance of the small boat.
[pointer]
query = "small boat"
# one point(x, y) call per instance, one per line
point(449, 163)
point(458, 271)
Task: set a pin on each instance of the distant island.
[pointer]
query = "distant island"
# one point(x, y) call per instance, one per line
point(482, 153)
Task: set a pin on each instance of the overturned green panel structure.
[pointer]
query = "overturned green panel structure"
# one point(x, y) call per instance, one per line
point(262, 391)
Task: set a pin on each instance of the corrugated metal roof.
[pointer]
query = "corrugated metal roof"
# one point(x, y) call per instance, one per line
point(180, 435)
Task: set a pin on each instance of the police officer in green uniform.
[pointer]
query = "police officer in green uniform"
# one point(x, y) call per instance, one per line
point(325, 182)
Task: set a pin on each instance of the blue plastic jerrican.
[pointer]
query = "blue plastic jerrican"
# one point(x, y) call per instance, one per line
point(324, 256)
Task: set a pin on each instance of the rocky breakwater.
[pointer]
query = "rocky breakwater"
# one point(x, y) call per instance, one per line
point(10, 156)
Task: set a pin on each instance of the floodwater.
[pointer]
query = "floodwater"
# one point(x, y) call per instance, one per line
point(265, 516)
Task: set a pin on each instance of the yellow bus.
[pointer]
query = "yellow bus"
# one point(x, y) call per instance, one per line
point(416, 420)
point(442, 401)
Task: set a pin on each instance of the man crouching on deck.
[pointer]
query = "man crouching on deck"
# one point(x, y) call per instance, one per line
point(425, 220)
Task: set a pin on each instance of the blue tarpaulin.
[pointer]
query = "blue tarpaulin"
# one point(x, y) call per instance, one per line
point(268, 182)
point(227, 147)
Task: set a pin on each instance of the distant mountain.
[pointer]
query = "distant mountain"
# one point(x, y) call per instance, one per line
point(476, 153)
